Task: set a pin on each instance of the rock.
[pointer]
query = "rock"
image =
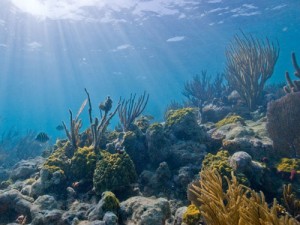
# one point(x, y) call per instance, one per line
point(48, 217)
point(240, 162)
point(214, 113)
point(145, 211)
point(25, 168)
point(185, 153)
point(250, 137)
point(108, 202)
point(44, 211)
point(179, 215)
point(78, 211)
point(13, 204)
point(110, 218)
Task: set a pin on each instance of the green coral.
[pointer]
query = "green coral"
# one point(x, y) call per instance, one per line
point(288, 164)
point(229, 120)
point(58, 161)
point(192, 215)
point(182, 123)
point(220, 162)
point(179, 115)
point(113, 172)
point(110, 202)
point(83, 163)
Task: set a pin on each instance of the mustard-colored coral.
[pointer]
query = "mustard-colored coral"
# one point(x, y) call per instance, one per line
point(58, 161)
point(83, 163)
point(192, 215)
point(238, 205)
point(113, 172)
point(229, 120)
point(110, 202)
point(176, 116)
point(287, 165)
point(219, 161)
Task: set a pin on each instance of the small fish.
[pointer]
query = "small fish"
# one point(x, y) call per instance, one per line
point(59, 127)
point(42, 137)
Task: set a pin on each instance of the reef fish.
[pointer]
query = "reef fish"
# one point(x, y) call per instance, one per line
point(59, 127)
point(42, 137)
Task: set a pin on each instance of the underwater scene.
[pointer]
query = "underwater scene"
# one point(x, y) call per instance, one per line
point(149, 112)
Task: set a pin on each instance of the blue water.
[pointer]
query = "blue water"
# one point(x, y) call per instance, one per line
point(51, 50)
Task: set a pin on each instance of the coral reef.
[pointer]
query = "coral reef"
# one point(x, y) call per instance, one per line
point(250, 63)
point(114, 172)
point(182, 123)
point(236, 205)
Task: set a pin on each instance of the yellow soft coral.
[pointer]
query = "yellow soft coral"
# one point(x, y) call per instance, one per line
point(192, 215)
point(238, 205)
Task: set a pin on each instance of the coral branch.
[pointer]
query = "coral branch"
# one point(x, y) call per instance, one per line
point(97, 128)
point(293, 86)
point(250, 63)
point(130, 109)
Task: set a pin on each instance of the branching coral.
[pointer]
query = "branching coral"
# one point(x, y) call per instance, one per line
point(293, 86)
point(250, 63)
point(202, 89)
point(131, 108)
point(291, 203)
point(75, 125)
point(238, 205)
point(98, 128)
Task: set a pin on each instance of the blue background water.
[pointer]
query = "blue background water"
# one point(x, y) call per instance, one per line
point(51, 50)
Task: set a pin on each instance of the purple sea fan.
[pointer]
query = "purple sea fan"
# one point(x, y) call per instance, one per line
point(284, 124)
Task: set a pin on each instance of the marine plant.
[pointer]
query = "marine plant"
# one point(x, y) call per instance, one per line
point(250, 63)
point(113, 172)
point(237, 205)
point(131, 109)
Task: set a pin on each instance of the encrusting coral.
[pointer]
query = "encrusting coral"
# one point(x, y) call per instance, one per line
point(114, 172)
point(230, 119)
point(192, 215)
point(238, 205)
